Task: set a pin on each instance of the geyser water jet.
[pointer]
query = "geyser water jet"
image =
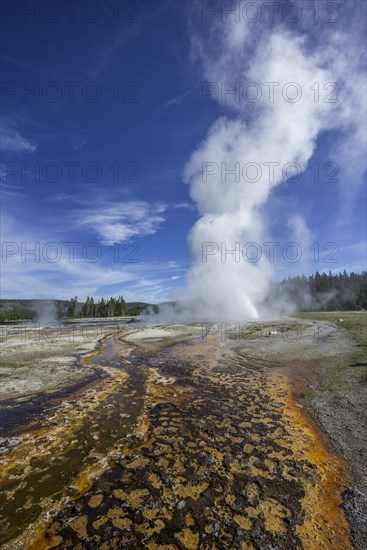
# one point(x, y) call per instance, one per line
point(276, 131)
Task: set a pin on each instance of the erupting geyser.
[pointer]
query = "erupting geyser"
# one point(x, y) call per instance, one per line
point(245, 154)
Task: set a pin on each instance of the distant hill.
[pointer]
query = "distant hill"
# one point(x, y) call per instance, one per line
point(131, 305)
point(9, 305)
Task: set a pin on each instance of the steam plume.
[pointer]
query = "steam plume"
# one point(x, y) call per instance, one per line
point(46, 312)
point(261, 132)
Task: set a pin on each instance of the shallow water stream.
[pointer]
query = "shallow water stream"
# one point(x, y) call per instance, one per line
point(51, 474)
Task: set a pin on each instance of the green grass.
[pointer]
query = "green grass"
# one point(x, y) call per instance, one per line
point(344, 370)
point(308, 393)
point(355, 322)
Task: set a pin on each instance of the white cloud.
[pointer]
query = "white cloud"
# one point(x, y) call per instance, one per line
point(77, 142)
point(39, 276)
point(11, 141)
point(116, 222)
point(301, 234)
point(184, 205)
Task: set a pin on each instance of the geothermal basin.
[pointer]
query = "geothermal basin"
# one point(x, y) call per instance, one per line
point(184, 436)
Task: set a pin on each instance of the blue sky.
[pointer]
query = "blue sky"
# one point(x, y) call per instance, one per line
point(109, 160)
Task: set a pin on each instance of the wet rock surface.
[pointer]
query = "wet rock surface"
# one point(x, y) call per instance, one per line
point(51, 464)
point(217, 466)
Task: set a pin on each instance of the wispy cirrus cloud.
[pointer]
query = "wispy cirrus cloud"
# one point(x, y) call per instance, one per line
point(179, 98)
point(37, 263)
point(77, 142)
point(115, 222)
point(11, 140)
point(185, 205)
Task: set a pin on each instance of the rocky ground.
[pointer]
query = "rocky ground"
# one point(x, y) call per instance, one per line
point(194, 436)
point(338, 403)
point(36, 360)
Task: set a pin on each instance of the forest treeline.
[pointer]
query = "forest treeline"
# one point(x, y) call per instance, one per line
point(112, 307)
point(323, 292)
point(31, 310)
point(318, 292)
point(18, 314)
